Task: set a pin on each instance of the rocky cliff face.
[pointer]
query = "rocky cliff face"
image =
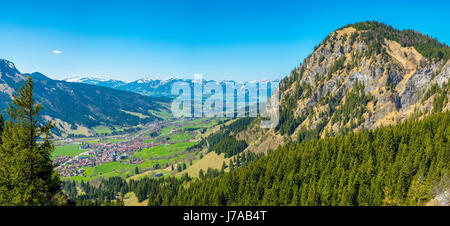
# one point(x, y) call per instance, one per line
point(363, 76)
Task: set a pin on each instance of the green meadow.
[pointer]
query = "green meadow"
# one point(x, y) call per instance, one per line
point(164, 150)
point(102, 129)
point(69, 150)
point(109, 141)
point(180, 137)
point(166, 130)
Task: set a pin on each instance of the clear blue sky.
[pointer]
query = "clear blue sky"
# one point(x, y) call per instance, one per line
point(241, 40)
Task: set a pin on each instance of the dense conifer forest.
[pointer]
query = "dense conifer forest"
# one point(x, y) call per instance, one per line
point(394, 165)
point(405, 164)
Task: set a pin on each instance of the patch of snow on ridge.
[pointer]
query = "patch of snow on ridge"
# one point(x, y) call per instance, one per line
point(75, 79)
point(89, 79)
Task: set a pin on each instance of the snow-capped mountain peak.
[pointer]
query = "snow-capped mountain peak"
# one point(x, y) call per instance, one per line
point(96, 81)
point(149, 86)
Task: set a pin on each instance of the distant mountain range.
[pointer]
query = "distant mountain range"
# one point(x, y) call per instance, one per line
point(79, 106)
point(147, 86)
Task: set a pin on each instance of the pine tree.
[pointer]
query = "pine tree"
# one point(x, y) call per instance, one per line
point(231, 165)
point(27, 175)
point(388, 199)
point(2, 123)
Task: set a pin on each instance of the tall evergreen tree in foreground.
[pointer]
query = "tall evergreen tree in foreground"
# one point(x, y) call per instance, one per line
point(27, 175)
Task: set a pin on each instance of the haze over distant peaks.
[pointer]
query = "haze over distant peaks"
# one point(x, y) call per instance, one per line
point(148, 86)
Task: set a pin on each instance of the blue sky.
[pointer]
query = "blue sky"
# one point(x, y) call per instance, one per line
point(240, 40)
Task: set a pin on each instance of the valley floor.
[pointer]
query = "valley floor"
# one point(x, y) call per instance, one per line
point(156, 149)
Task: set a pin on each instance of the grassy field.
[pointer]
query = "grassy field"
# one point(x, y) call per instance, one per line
point(180, 137)
point(181, 122)
point(109, 167)
point(161, 114)
point(80, 178)
point(166, 130)
point(150, 140)
point(130, 199)
point(86, 156)
point(137, 114)
point(199, 123)
point(164, 150)
point(147, 173)
point(211, 160)
point(122, 169)
point(105, 170)
point(102, 129)
point(93, 141)
point(108, 141)
point(69, 150)
point(216, 128)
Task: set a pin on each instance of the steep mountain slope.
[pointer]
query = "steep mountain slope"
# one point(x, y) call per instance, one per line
point(363, 75)
point(73, 105)
point(405, 164)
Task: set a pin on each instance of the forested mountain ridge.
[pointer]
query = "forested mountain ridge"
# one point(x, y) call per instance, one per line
point(73, 105)
point(363, 75)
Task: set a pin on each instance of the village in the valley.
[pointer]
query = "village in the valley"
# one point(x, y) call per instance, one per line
point(97, 150)
point(103, 151)
point(97, 154)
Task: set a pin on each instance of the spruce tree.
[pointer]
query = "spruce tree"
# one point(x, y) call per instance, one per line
point(27, 175)
point(1, 127)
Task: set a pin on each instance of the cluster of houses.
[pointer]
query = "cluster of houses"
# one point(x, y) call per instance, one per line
point(60, 160)
point(117, 151)
point(69, 170)
point(98, 154)
point(73, 166)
